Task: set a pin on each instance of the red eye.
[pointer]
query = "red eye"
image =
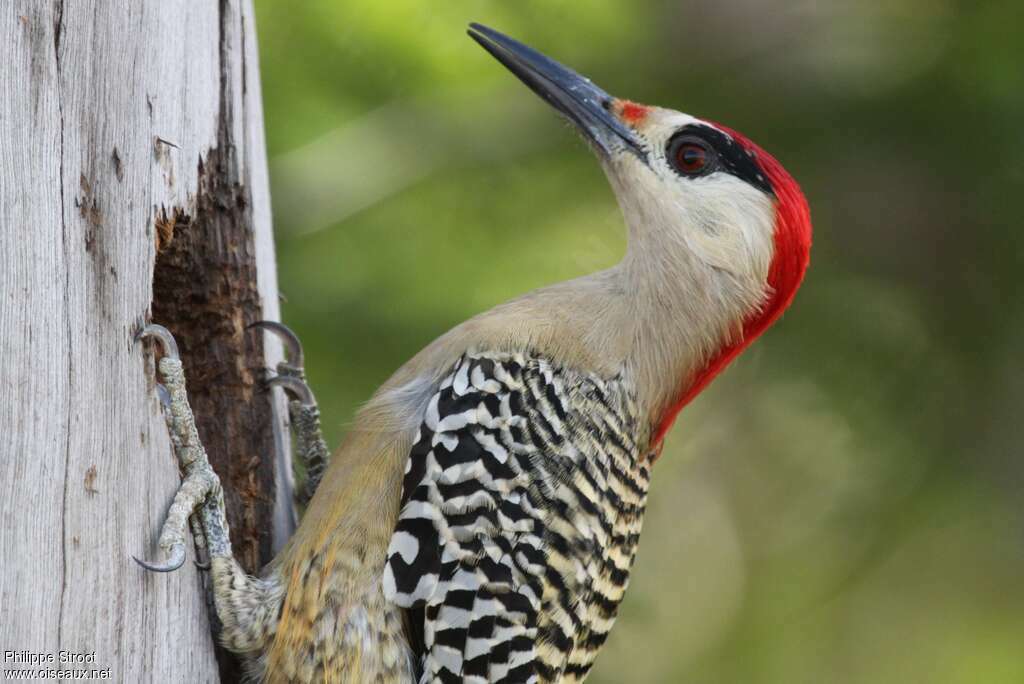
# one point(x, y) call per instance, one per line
point(690, 158)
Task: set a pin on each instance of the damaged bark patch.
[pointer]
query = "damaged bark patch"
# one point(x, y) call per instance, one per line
point(205, 292)
point(166, 223)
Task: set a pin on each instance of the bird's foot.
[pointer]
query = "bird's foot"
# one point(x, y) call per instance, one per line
point(200, 492)
point(246, 607)
point(311, 448)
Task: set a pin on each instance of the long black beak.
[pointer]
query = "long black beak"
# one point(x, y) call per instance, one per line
point(582, 102)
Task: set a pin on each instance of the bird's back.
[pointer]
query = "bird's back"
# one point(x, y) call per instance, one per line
point(521, 514)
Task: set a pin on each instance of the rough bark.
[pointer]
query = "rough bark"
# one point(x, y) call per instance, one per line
point(131, 139)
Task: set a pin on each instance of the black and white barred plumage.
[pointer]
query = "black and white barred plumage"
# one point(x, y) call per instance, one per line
point(521, 511)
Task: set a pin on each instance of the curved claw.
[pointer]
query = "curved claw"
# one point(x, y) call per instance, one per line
point(163, 336)
point(293, 348)
point(176, 560)
point(295, 387)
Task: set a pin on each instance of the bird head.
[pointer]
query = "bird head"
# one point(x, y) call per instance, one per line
point(716, 225)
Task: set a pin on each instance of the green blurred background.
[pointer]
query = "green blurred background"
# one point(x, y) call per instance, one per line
point(844, 504)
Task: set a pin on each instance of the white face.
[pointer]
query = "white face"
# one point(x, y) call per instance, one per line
point(720, 219)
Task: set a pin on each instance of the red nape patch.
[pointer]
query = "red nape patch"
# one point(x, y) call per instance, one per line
point(789, 262)
point(632, 113)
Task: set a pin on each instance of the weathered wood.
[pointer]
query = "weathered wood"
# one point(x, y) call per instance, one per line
point(106, 110)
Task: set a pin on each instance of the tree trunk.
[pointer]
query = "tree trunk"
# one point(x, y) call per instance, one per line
point(133, 187)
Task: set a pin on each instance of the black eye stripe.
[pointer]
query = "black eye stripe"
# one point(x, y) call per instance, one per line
point(730, 156)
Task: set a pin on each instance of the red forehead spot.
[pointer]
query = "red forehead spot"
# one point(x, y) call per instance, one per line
point(792, 238)
point(633, 113)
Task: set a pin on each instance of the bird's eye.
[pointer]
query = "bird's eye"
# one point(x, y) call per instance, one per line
point(689, 158)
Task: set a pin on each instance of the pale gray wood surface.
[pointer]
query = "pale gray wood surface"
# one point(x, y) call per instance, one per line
point(105, 109)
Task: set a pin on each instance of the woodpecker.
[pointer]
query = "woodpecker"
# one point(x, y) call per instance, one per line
point(480, 520)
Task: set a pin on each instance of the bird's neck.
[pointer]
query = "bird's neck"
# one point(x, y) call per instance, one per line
point(686, 315)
